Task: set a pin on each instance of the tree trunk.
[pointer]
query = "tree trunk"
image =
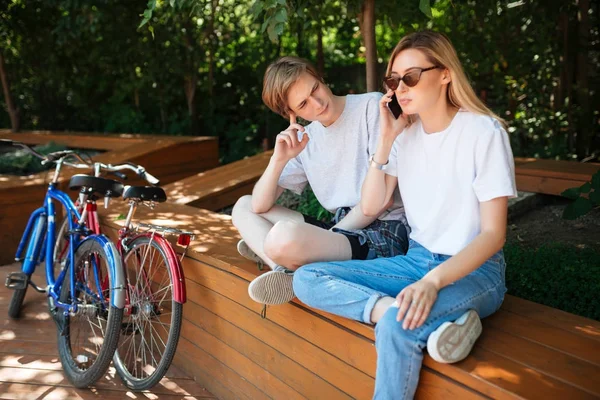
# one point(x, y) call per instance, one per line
point(190, 79)
point(320, 54)
point(367, 28)
point(584, 126)
point(10, 107)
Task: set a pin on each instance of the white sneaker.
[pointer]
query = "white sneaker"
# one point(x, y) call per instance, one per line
point(246, 252)
point(453, 341)
point(274, 287)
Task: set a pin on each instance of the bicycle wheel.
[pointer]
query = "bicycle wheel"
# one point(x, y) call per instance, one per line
point(151, 331)
point(16, 301)
point(88, 338)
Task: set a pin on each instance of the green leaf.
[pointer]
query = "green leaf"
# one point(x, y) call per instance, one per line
point(579, 207)
point(279, 29)
point(120, 217)
point(595, 197)
point(257, 8)
point(282, 2)
point(265, 25)
point(572, 193)
point(425, 7)
point(585, 188)
point(281, 15)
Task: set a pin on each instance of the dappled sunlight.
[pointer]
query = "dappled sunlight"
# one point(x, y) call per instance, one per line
point(31, 362)
point(31, 375)
point(589, 330)
point(208, 185)
point(490, 371)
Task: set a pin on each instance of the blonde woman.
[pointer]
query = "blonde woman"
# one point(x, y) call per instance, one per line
point(454, 168)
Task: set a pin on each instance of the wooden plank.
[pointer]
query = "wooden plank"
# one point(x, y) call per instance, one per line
point(219, 181)
point(199, 375)
point(546, 335)
point(249, 369)
point(27, 391)
point(545, 185)
point(235, 334)
point(214, 370)
point(289, 343)
point(547, 361)
point(569, 170)
point(585, 327)
point(52, 363)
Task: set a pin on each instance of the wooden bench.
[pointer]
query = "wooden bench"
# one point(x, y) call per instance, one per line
point(170, 158)
point(219, 187)
point(526, 350)
point(552, 176)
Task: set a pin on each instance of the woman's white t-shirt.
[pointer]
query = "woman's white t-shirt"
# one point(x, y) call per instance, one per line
point(443, 177)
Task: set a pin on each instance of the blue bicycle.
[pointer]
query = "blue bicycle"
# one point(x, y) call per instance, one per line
point(87, 286)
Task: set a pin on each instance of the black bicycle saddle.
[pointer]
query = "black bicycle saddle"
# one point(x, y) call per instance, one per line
point(145, 193)
point(95, 185)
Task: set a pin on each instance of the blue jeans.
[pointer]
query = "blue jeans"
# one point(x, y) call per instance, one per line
point(351, 289)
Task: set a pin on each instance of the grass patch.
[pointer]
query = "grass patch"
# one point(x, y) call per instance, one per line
point(557, 275)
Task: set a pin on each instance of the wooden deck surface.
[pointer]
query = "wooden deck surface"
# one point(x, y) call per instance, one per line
point(30, 369)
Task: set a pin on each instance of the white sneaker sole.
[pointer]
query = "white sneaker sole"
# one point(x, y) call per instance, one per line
point(453, 341)
point(272, 288)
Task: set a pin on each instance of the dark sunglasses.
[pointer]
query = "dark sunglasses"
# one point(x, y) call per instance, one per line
point(410, 79)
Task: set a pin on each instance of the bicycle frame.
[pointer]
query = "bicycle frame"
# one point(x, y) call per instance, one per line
point(125, 234)
point(42, 246)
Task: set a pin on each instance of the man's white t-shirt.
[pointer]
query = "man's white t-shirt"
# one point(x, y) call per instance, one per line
point(443, 176)
point(336, 160)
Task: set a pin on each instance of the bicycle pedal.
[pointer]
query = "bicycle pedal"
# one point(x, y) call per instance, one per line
point(16, 280)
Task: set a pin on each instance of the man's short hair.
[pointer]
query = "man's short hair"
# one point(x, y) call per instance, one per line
point(278, 79)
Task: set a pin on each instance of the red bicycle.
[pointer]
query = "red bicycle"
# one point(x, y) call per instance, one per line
point(155, 283)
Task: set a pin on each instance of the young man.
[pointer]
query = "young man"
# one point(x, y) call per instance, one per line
point(333, 155)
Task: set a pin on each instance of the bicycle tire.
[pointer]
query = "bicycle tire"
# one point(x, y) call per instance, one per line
point(73, 358)
point(16, 301)
point(132, 368)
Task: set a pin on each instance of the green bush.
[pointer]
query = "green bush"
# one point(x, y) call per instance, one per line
point(557, 275)
point(20, 162)
point(309, 205)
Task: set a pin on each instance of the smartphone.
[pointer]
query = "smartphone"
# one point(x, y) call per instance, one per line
point(394, 107)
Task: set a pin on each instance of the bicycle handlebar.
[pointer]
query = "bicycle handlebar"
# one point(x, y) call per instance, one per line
point(61, 156)
point(138, 169)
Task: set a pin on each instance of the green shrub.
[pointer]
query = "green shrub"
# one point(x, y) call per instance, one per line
point(309, 205)
point(20, 162)
point(557, 275)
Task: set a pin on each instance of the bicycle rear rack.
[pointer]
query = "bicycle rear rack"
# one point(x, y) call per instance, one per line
point(184, 238)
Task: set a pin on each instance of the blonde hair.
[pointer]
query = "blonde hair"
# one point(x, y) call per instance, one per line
point(439, 51)
point(278, 79)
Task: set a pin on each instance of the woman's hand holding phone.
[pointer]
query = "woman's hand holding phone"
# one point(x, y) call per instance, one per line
point(389, 125)
point(287, 144)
